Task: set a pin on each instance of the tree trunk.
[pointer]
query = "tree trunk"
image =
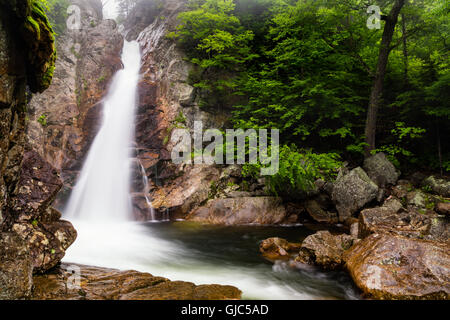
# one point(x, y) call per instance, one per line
point(377, 87)
point(405, 53)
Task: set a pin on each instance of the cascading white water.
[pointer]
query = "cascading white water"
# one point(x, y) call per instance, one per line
point(103, 189)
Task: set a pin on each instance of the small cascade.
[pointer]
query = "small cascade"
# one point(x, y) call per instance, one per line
point(146, 191)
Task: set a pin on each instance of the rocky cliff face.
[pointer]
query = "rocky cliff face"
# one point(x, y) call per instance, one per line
point(32, 238)
point(64, 119)
point(167, 101)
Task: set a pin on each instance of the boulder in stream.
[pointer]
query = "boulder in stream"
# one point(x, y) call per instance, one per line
point(324, 249)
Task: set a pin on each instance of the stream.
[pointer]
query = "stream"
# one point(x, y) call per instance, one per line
point(206, 254)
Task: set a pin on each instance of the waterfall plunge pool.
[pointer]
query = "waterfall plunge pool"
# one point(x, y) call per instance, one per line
point(206, 254)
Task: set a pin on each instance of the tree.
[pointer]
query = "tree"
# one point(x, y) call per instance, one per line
point(124, 7)
point(56, 11)
point(377, 87)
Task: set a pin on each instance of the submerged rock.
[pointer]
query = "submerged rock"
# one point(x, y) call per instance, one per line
point(245, 210)
point(387, 266)
point(278, 248)
point(79, 282)
point(352, 191)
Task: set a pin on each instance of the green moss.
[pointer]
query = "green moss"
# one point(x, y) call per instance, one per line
point(48, 76)
point(33, 27)
point(101, 79)
point(38, 34)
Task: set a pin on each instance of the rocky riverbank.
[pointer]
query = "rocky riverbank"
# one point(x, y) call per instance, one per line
point(396, 250)
point(96, 283)
point(32, 236)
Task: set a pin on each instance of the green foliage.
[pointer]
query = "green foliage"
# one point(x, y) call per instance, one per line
point(42, 120)
point(395, 150)
point(306, 67)
point(215, 41)
point(297, 171)
point(180, 118)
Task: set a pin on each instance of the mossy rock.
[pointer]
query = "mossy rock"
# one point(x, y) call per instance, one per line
point(40, 39)
point(36, 37)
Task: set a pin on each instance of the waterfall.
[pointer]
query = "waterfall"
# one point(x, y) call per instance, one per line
point(103, 188)
point(146, 190)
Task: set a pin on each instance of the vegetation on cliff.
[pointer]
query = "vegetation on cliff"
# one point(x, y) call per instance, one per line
point(37, 38)
point(311, 68)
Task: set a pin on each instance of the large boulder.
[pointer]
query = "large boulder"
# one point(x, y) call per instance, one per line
point(79, 282)
point(16, 268)
point(439, 186)
point(388, 266)
point(47, 242)
point(352, 191)
point(245, 210)
point(324, 249)
point(381, 170)
point(411, 224)
point(278, 248)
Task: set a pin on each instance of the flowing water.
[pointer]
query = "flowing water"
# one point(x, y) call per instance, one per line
point(100, 207)
point(103, 189)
